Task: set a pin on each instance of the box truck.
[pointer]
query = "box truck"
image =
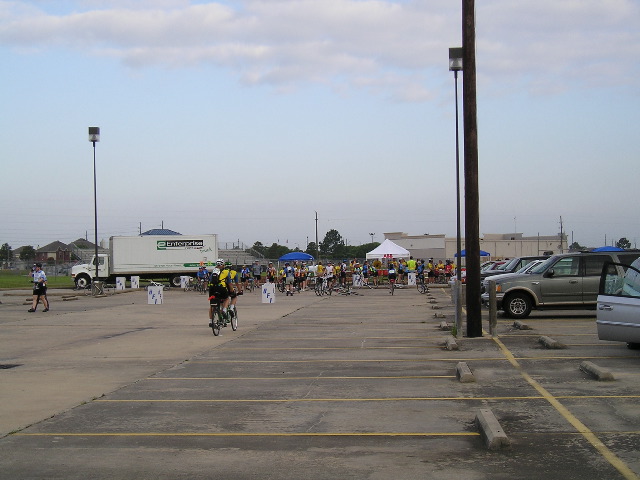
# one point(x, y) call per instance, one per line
point(150, 256)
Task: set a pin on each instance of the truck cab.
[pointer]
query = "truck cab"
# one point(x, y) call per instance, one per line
point(83, 274)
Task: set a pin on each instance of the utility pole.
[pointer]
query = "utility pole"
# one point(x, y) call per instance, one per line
point(561, 236)
point(317, 244)
point(471, 194)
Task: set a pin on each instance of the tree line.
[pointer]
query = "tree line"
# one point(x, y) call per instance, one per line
point(332, 246)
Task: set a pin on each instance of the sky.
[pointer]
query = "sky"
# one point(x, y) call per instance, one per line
point(245, 118)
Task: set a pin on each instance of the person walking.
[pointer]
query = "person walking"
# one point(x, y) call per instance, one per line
point(288, 274)
point(39, 288)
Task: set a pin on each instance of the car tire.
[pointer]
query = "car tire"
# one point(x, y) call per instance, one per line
point(633, 346)
point(517, 305)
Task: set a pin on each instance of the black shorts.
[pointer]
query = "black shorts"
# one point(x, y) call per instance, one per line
point(392, 276)
point(219, 293)
point(39, 289)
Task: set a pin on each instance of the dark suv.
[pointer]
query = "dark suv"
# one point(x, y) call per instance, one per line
point(568, 280)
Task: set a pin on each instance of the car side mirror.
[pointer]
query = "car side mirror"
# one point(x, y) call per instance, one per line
point(549, 273)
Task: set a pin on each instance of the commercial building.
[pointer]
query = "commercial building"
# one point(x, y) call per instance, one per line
point(498, 245)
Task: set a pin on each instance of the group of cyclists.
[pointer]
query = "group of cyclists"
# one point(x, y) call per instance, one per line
point(225, 283)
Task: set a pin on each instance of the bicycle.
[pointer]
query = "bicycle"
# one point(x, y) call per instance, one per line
point(361, 282)
point(392, 285)
point(322, 286)
point(153, 283)
point(420, 285)
point(219, 319)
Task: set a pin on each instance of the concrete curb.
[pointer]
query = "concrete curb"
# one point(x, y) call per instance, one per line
point(450, 343)
point(551, 343)
point(463, 372)
point(596, 371)
point(490, 428)
point(521, 326)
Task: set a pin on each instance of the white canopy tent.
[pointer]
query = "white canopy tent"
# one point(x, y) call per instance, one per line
point(388, 249)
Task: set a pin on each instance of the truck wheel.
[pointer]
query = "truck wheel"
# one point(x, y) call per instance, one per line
point(174, 281)
point(83, 282)
point(517, 305)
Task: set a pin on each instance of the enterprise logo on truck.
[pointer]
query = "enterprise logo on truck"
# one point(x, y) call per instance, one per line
point(179, 244)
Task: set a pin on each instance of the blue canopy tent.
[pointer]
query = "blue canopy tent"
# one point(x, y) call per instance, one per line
point(293, 256)
point(608, 249)
point(463, 253)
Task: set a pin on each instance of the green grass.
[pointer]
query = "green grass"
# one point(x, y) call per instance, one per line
point(21, 280)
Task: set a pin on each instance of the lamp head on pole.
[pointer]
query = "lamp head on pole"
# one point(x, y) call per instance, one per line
point(455, 59)
point(94, 134)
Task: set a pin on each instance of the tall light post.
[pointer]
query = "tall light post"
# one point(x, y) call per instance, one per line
point(94, 136)
point(455, 65)
point(372, 234)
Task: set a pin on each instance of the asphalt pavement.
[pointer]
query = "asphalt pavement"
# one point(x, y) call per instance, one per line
point(347, 386)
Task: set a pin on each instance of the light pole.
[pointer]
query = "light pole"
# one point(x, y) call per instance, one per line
point(455, 65)
point(372, 234)
point(94, 136)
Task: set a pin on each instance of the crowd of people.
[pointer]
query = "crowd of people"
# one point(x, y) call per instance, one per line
point(226, 282)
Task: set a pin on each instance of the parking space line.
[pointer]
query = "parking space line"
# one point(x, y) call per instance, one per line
point(253, 434)
point(569, 417)
point(400, 377)
point(286, 349)
point(387, 399)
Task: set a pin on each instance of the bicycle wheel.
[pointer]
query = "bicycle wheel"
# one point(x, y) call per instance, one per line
point(234, 320)
point(393, 287)
point(422, 287)
point(216, 320)
point(318, 289)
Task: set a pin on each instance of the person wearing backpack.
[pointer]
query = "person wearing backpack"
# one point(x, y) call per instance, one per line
point(218, 293)
point(288, 274)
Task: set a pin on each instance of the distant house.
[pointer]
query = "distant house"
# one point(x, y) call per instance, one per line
point(56, 252)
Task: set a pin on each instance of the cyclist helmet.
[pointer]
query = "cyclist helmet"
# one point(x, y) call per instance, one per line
point(219, 262)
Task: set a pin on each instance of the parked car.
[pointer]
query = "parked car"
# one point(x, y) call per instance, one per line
point(568, 280)
point(511, 266)
point(618, 314)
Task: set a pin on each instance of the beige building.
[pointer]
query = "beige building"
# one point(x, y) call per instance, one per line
point(498, 245)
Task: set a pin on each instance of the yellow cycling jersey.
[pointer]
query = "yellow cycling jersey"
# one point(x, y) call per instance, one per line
point(224, 275)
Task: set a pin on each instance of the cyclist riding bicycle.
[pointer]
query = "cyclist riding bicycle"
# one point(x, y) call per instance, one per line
point(218, 291)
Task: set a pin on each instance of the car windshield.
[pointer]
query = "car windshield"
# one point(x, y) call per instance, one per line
point(543, 266)
point(530, 266)
point(510, 265)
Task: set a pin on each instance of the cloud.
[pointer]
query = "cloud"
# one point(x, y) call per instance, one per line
point(542, 44)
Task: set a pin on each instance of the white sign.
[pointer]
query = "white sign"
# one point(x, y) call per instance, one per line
point(154, 295)
point(184, 281)
point(357, 280)
point(269, 293)
point(135, 281)
point(121, 283)
point(412, 279)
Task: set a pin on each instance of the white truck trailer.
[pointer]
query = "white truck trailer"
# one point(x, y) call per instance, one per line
point(150, 256)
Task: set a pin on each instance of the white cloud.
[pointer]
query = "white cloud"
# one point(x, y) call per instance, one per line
point(546, 44)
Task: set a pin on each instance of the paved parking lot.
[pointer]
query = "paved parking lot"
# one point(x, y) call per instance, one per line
point(322, 388)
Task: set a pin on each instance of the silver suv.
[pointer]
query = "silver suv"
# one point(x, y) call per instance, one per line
point(569, 280)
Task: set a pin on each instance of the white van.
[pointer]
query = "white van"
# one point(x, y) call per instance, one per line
point(618, 316)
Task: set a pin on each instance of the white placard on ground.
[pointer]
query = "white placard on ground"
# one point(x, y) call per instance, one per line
point(135, 281)
point(121, 283)
point(412, 279)
point(154, 295)
point(269, 293)
point(184, 281)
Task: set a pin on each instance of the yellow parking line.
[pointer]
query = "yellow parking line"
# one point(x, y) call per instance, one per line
point(363, 347)
point(387, 399)
point(569, 417)
point(255, 434)
point(401, 377)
